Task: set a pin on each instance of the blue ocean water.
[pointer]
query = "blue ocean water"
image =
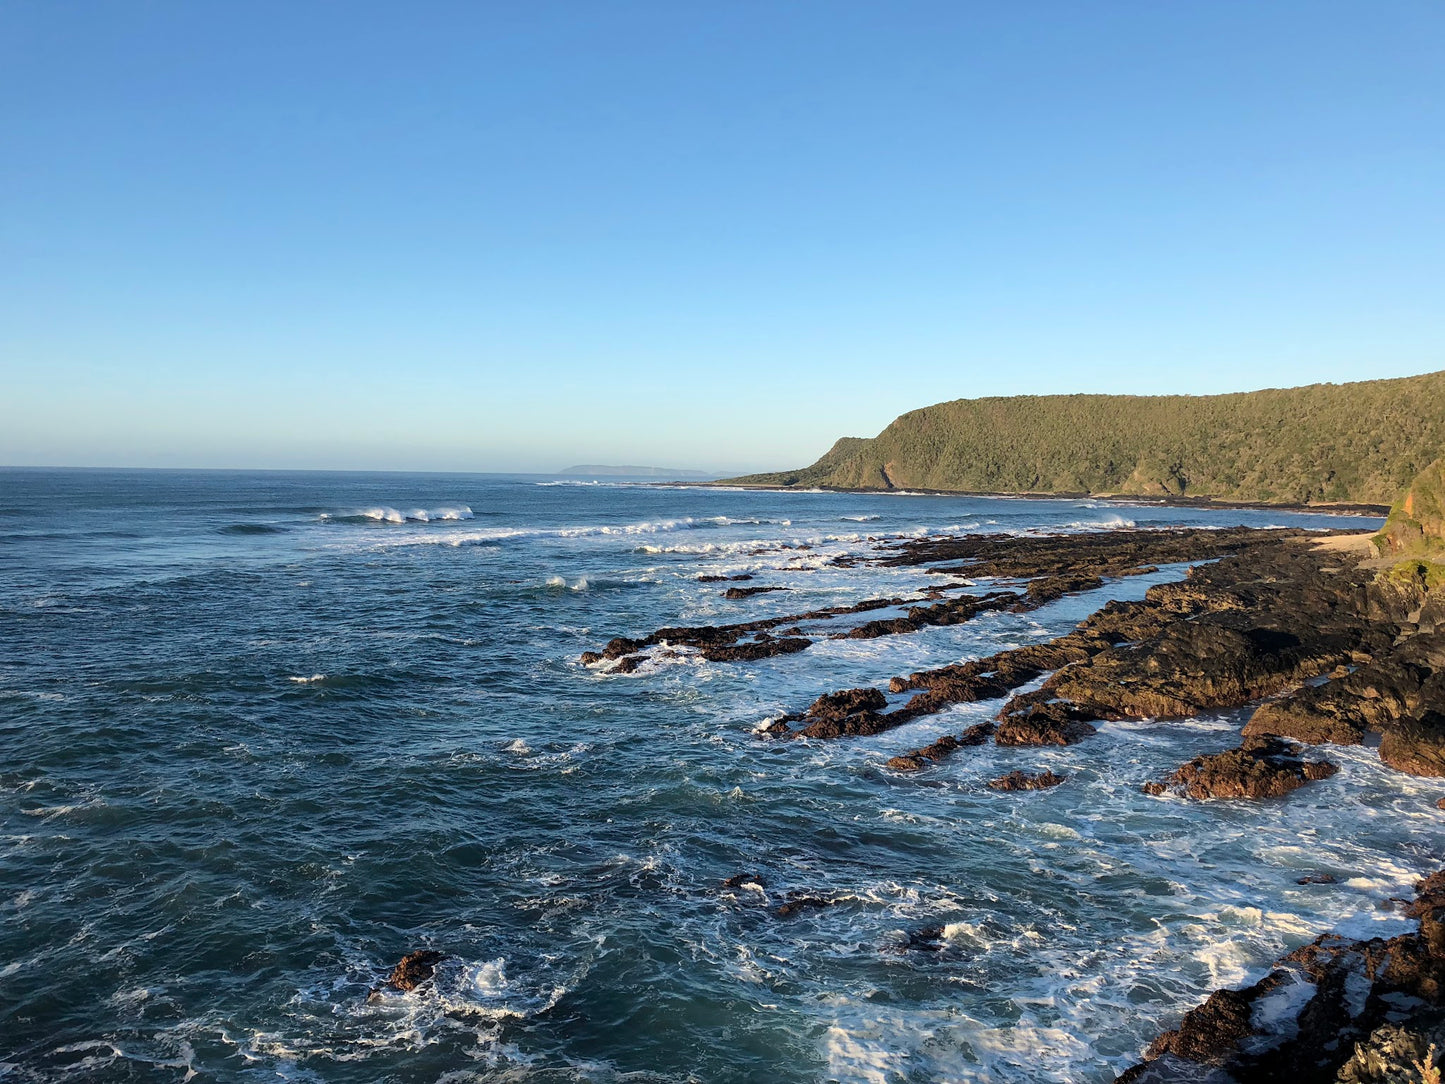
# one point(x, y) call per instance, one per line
point(263, 733)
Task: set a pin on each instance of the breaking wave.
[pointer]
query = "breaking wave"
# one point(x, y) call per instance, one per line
point(383, 513)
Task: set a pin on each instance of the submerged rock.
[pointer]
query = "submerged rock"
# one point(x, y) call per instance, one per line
point(927, 939)
point(799, 902)
point(414, 969)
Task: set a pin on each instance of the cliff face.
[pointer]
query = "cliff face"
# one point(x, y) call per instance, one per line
point(1359, 442)
point(1416, 525)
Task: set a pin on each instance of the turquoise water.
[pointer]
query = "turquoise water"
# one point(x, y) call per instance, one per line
point(264, 733)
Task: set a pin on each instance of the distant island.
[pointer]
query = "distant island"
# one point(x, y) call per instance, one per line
point(1325, 443)
point(603, 470)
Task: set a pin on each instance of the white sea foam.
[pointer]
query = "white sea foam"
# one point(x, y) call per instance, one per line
point(314, 679)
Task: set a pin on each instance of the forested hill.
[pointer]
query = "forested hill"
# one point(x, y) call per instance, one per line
point(1359, 442)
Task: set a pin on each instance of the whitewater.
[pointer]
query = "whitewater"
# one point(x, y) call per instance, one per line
point(265, 733)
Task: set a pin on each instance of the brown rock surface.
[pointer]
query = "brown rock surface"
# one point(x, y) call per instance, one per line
point(1017, 780)
point(414, 969)
point(1303, 1021)
point(1260, 768)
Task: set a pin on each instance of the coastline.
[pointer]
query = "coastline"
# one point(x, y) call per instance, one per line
point(1369, 511)
point(1305, 632)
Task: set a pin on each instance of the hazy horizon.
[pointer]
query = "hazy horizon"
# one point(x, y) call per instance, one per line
point(518, 237)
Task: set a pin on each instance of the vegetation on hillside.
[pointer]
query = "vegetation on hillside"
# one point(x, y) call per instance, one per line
point(1416, 524)
point(1361, 442)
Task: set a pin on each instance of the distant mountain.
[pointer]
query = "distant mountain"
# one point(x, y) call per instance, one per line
point(1360, 442)
point(601, 470)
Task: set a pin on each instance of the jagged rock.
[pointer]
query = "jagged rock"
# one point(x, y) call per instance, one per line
point(1040, 718)
point(1017, 780)
point(1416, 745)
point(725, 579)
point(1210, 1033)
point(1316, 1018)
point(1400, 681)
point(414, 969)
point(1317, 879)
point(1260, 768)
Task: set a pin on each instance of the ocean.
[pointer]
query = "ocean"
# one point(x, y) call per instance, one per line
point(264, 733)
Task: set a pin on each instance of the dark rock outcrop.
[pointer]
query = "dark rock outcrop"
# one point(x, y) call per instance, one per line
point(977, 734)
point(749, 592)
point(1417, 745)
point(414, 969)
point(1319, 1011)
point(738, 880)
point(1260, 768)
point(1017, 780)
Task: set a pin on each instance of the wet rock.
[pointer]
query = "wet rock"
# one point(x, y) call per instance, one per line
point(738, 880)
point(1042, 719)
point(1416, 745)
point(725, 579)
point(749, 592)
point(1399, 682)
point(1017, 780)
point(1317, 879)
point(799, 902)
point(1260, 768)
point(1210, 1033)
point(978, 734)
point(760, 649)
point(912, 762)
point(588, 658)
point(414, 969)
point(627, 664)
point(846, 702)
point(926, 939)
point(1318, 1017)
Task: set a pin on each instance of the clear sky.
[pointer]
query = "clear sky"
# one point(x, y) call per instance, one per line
point(514, 236)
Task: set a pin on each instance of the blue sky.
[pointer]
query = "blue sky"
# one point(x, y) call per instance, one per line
point(513, 236)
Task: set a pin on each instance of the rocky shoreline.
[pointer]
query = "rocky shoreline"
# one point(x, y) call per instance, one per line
point(1331, 648)
point(1337, 508)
